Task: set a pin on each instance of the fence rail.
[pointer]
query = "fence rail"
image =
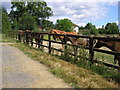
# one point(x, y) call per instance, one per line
point(28, 38)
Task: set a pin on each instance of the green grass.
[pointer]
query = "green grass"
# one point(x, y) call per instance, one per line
point(70, 73)
point(106, 72)
point(5, 38)
point(104, 57)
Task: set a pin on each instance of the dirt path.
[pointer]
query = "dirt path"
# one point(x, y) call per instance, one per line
point(19, 71)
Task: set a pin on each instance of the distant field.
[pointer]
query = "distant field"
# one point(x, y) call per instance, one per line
point(104, 35)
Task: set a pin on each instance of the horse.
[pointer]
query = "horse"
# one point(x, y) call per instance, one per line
point(36, 36)
point(62, 38)
point(79, 41)
point(112, 45)
point(21, 35)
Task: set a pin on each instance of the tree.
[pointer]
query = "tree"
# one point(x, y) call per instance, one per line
point(112, 28)
point(38, 9)
point(64, 25)
point(46, 24)
point(27, 22)
point(6, 25)
point(81, 28)
point(92, 28)
point(14, 24)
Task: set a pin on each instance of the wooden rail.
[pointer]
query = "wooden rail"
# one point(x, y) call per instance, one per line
point(29, 39)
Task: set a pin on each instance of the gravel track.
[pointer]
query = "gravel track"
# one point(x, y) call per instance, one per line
point(20, 71)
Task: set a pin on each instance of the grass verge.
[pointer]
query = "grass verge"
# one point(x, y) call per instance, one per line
point(6, 38)
point(70, 73)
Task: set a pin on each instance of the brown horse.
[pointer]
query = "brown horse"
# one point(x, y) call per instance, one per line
point(21, 35)
point(62, 38)
point(36, 36)
point(112, 45)
point(79, 41)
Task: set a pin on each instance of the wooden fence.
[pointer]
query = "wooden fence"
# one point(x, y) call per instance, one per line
point(39, 37)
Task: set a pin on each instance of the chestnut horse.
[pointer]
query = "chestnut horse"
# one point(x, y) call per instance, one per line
point(62, 38)
point(73, 40)
point(112, 45)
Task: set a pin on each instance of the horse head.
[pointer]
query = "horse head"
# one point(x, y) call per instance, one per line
point(53, 32)
point(99, 44)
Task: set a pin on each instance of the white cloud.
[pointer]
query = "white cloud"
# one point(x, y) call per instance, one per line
point(81, 24)
point(78, 12)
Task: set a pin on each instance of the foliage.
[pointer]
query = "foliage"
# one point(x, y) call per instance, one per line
point(87, 32)
point(14, 24)
point(5, 20)
point(46, 24)
point(64, 25)
point(92, 28)
point(112, 28)
point(27, 22)
point(81, 28)
point(38, 9)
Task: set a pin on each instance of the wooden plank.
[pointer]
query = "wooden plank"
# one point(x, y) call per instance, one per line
point(45, 46)
point(49, 43)
point(107, 64)
point(108, 38)
point(108, 52)
point(91, 52)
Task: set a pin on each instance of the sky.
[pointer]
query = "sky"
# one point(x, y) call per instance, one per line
point(81, 12)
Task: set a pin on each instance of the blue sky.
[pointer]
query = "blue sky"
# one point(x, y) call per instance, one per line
point(81, 12)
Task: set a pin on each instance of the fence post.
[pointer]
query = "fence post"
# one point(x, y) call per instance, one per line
point(49, 43)
point(27, 41)
point(16, 34)
point(31, 38)
point(42, 37)
point(65, 48)
point(75, 52)
point(91, 51)
point(66, 38)
point(19, 37)
point(39, 40)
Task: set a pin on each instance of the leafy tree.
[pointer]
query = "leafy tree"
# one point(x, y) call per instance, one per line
point(27, 22)
point(92, 28)
point(64, 25)
point(112, 28)
point(46, 24)
point(81, 28)
point(14, 24)
point(38, 9)
point(6, 25)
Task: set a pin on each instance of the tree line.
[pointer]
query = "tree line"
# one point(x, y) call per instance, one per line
point(34, 15)
point(109, 28)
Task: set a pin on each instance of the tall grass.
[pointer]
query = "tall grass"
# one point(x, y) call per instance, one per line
point(106, 72)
